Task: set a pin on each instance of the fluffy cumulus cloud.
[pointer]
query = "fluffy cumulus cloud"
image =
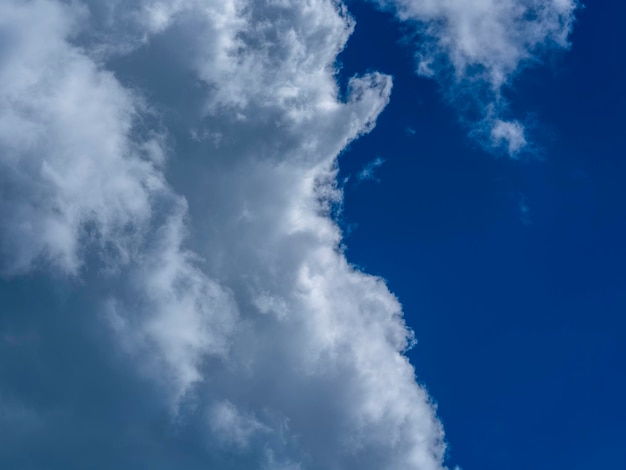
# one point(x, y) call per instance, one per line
point(81, 180)
point(170, 167)
point(476, 47)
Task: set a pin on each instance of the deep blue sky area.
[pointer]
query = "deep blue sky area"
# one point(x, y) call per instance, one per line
point(511, 272)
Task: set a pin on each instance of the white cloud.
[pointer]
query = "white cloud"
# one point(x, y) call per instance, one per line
point(508, 133)
point(476, 47)
point(232, 427)
point(368, 171)
point(66, 160)
point(80, 182)
point(225, 279)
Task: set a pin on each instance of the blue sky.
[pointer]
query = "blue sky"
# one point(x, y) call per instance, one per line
point(226, 222)
point(519, 316)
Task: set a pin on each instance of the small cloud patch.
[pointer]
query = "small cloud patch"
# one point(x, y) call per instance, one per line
point(368, 173)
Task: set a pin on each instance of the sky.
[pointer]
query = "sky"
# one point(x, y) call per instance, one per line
point(304, 234)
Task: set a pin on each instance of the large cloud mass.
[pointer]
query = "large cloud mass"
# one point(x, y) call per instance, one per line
point(174, 163)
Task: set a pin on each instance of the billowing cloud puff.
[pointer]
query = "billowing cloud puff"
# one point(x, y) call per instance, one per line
point(69, 170)
point(174, 164)
point(80, 179)
point(475, 48)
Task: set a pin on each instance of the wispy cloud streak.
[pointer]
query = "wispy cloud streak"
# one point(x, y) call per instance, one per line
point(475, 48)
